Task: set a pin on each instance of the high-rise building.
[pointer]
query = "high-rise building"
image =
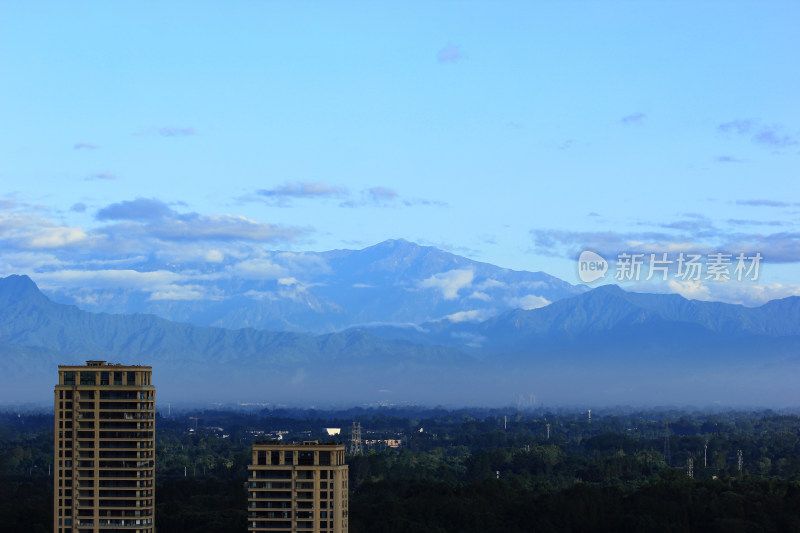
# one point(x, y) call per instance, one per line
point(297, 487)
point(104, 449)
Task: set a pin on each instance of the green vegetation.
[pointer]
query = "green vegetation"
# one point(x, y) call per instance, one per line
point(464, 471)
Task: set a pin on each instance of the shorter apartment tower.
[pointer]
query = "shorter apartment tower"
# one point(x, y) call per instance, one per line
point(297, 487)
point(104, 446)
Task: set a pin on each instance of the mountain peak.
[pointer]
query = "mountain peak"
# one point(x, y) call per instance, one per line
point(16, 288)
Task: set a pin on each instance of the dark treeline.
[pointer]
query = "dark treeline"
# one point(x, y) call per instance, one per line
point(463, 470)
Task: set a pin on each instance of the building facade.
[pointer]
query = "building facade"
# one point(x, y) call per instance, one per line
point(298, 487)
point(104, 449)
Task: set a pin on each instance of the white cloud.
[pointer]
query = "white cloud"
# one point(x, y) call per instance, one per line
point(28, 231)
point(528, 302)
point(121, 278)
point(180, 292)
point(732, 291)
point(258, 269)
point(450, 282)
point(480, 296)
point(214, 256)
point(475, 315)
point(490, 284)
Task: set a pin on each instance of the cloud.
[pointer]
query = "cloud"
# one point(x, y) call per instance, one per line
point(172, 131)
point(475, 315)
point(258, 268)
point(765, 203)
point(489, 283)
point(772, 136)
point(145, 219)
point(634, 118)
point(214, 256)
point(782, 247)
point(528, 302)
point(193, 226)
point(374, 197)
point(78, 207)
point(477, 295)
point(85, 146)
point(158, 284)
point(303, 189)
point(22, 231)
point(749, 294)
point(745, 222)
point(381, 194)
point(123, 278)
point(450, 53)
point(727, 159)
point(138, 209)
point(180, 292)
point(566, 145)
point(740, 127)
point(101, 176)
point(449, 283)
point(422, 201)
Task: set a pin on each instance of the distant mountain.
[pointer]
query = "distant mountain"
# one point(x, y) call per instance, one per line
point(603, 346)
point(605, 310)
point(395, 281)
point(37, 334)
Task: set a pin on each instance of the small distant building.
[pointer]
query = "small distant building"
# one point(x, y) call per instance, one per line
point(333, 431)
point(298, 487)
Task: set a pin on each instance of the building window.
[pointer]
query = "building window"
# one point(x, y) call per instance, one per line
point(69, 378)
point(88, 378)
point(305, 458)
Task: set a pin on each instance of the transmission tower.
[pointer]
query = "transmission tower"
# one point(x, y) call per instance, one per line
point(667, 452)
point(355, 440)
point(690, 467)
point(740, 460)
point(548, 431)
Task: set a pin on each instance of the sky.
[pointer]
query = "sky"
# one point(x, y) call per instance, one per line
point(514, 133)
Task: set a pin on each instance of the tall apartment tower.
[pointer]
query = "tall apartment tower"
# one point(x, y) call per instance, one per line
point(297, 487)
point(104, 449)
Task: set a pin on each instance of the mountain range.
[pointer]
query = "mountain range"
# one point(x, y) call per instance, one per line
point(601, 346)
point(394, 282)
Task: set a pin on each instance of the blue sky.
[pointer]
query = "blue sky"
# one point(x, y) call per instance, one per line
point(516, 133)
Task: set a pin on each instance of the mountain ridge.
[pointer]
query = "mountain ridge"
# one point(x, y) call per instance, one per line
point(605, 343)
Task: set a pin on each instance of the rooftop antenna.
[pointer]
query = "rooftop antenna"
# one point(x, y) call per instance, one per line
point(667, 453)
point(355, 440)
